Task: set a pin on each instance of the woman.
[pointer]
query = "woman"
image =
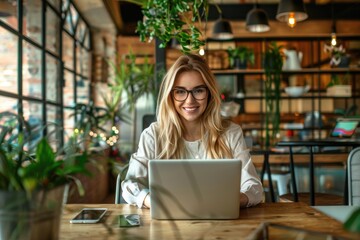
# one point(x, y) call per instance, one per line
point(189, 125)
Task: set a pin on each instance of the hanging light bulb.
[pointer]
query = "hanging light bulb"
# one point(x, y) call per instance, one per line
point(333, 39)
point(291, 20)
point(202, 51)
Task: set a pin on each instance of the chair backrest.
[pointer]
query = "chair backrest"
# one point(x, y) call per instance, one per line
point(118, 192)
point(354, 176)
point(148, 119)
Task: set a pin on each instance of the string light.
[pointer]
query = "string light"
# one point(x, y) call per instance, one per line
point(108, 140)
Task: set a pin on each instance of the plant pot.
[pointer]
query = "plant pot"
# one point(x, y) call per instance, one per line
point(344, 62)
point(339, 91)
point(33, 217)
point(238, 64)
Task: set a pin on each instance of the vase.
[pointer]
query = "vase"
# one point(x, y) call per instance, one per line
point(24, 217)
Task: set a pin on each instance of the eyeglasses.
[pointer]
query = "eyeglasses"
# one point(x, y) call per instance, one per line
point(181, 94)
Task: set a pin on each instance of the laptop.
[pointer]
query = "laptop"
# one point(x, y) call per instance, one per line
point(195, 189)
point(344, 128)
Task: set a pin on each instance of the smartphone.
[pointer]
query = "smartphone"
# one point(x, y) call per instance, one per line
point(89, 215)
point(127, 220)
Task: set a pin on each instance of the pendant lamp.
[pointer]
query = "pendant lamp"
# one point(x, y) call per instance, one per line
point(222, 29)
point(291, 12)
point(257, 20)
point(333, 27)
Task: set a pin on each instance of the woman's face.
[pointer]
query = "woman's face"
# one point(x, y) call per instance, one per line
point(190, 105)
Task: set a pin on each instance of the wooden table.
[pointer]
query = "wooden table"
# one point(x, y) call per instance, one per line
point(290, 214)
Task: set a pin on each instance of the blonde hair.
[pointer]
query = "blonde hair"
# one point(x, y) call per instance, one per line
point(170, 128)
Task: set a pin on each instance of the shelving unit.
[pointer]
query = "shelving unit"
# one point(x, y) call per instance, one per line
point(315, 110)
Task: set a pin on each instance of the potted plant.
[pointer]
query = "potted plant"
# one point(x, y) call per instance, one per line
point(32, 181)
point(239, 57)
point(338, 56)
point(339, 86)
point(132, 81)
point(273, 62)
point(177, 19)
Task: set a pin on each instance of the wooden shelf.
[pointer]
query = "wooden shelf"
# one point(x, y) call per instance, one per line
point(302, 71)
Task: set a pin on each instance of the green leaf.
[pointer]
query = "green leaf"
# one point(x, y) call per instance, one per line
point(352, 224)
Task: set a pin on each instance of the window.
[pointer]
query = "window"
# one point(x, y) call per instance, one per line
point(44, 66)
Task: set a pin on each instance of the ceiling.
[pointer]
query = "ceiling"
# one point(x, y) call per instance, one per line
point(121, 16)
point(237, 10)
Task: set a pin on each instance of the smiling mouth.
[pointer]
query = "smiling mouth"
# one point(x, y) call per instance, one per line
point(190, 109)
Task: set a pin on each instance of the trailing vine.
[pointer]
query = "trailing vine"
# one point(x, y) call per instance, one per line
point(168, 19)
point(273, 62)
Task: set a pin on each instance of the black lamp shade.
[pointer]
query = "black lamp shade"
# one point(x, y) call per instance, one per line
point(257, 21)
point(291, 6)
point(222, 29)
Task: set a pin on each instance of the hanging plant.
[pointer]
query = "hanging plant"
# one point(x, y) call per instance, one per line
point(168, 19)
point(273, 62)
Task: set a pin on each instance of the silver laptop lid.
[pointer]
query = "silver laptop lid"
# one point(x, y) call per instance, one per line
point(195, 189)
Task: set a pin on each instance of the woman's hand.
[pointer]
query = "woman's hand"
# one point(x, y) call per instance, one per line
point(243, 200)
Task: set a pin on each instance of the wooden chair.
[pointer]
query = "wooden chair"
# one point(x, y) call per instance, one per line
point(354, 176)
point(321, 198)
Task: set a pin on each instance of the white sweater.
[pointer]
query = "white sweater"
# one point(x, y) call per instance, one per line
point(135, 187)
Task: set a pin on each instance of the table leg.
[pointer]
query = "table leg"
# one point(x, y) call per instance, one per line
point(312, 186)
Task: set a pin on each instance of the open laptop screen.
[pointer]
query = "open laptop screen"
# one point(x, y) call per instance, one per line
point(344, 128)
point(195, 188)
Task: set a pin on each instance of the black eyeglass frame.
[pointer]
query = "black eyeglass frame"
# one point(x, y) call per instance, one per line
point(190, 91)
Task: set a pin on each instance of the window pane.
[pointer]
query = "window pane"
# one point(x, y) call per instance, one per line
point(52, 29)
point(65, 5)
point(55, 4)
point(74, 17)
point(80, 31)
point(8, 104)
point(31, 71)
point(68, 49)
point(82, 62)
point(33, 115)
point(69, 123)
point(9, 13)
point(68, 95)
point(53, 114)
point(32, 23)
point(8, 61)
point(87, 39)
point(82, 90)
point(52, 79)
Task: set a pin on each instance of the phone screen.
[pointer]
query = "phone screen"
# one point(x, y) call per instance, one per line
point(88, 215)
point(127, 220)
